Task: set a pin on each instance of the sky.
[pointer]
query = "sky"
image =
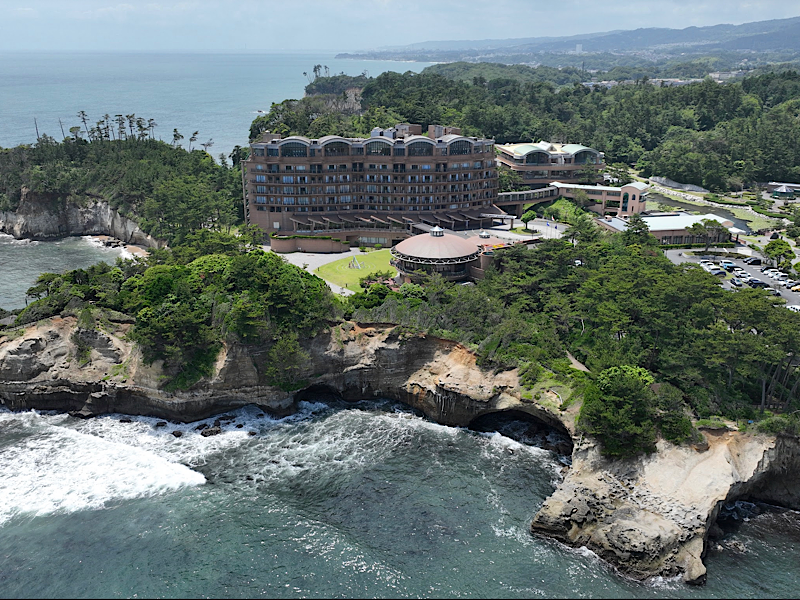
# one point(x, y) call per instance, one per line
point(341, 25)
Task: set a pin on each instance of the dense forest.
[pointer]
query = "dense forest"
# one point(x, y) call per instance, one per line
point(623, 309)
point(719, 136)
point(170, 191)
point(185, 301)
point(633, 318)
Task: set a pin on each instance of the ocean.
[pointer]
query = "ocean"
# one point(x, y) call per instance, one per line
point(217, 95)
point(340, 500)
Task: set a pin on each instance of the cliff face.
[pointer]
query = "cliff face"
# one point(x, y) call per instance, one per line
point(648, 517)
point(43, 217)
point(652, 516)
point(39, 369)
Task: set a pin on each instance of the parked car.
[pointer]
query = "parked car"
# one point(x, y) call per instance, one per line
point(739, 272)
point(796, 288)
point(717, 272)
point(789, 283)
point(726, 263)
point(752, 260)
point(729, 268)
point(756, 283)
point(772, 291)
point(793, 307)
point(736, 282)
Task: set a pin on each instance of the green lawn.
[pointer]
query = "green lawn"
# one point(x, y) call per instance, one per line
point(340, 273)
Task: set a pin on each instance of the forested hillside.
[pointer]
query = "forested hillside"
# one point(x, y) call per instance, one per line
point(633, 318)
point(169, 191)
point(719, 136)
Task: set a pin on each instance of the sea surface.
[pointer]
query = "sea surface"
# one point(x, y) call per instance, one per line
point(22, 261)
point(339, 500)
point(217, 95)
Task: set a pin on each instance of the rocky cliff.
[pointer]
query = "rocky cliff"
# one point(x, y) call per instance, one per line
point(649, 516)
point(45, 216)
point(653, 515)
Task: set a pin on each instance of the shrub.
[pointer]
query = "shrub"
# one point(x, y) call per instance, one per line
point(619, 411)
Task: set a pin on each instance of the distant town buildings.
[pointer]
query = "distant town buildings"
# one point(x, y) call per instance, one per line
point(543, 163)
point(370, 190)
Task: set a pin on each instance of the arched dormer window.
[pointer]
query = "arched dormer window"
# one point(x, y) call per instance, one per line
point(378, 148)
point(419, 149)
point(537, 158)
point(585, 157)
point(337, 149)
point(294, 149)
point(460, 147)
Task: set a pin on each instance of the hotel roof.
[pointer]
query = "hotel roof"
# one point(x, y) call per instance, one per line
point(667, 222)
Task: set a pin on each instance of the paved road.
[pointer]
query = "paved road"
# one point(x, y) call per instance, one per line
point(680, 256)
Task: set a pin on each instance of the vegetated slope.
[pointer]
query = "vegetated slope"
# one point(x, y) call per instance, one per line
point(186, 301)
point(166, 189)
point(719, 136)
point(629, 315)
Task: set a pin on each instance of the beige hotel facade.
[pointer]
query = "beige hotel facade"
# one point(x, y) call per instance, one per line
point(376, 190)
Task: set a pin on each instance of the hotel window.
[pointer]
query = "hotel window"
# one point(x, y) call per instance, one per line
point(288, 179)
point(378, 149)
point(294, 150)
point(261, 178)
point(288, 200)
point(288, 190)
point(272, 152)
point(337, 149)
point(399, 151)
point(258, 151)
point(261, 199)
point(460, 147)
point(302, 201)
point(420, 149)
point(261, 189)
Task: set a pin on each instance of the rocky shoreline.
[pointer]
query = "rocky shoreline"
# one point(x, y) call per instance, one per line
point(648, 517)
point(51, 217)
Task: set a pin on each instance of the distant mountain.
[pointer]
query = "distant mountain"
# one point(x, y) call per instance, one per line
point(781, 35)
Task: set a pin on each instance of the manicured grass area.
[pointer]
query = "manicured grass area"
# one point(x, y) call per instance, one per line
point(342, 274)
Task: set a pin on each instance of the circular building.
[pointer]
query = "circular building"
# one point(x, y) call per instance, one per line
point(435, 252)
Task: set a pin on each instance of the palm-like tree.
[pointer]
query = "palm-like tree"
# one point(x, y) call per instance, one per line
point(176, 137)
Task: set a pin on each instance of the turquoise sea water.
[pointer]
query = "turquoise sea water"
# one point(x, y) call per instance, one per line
point(366, 500)
point(21, 262)
point(216, 94)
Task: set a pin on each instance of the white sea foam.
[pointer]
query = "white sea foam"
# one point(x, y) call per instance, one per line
point(46, 468)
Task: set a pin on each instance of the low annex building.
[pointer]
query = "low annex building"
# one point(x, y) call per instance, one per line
point(453, 257)
point(627, 200)
point(671, 228)
point(543, 163)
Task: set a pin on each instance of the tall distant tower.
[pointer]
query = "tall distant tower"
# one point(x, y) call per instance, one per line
point(578, 48)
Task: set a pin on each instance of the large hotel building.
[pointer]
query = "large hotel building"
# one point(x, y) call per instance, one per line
point(376, 190)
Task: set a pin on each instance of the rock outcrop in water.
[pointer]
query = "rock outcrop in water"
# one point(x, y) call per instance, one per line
point(48, 216)
point(650, 516)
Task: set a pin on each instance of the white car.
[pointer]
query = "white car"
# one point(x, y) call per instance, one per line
point(793, 307)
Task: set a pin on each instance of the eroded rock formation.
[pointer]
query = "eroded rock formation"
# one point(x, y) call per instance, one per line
point(648, 517)
point(47, 216)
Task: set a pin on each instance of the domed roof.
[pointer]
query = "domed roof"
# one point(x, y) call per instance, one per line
point(436, 245)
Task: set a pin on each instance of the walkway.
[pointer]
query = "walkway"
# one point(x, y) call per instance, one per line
point(310, 261)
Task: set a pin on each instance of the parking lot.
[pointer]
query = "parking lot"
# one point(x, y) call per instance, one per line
point(680, 256)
